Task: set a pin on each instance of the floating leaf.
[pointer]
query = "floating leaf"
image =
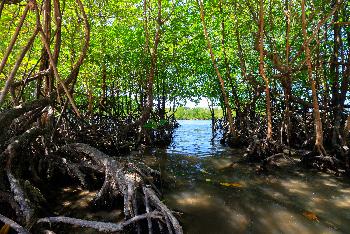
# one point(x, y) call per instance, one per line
point(207, 180)
point(236, 185)
point(310, 216)
point(5, 229)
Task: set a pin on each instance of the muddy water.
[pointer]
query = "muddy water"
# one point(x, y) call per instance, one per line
point(214, 193)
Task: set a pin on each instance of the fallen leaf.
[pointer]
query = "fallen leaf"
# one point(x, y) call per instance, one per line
point(5, 229)
point(310, 216)
point(232, 185)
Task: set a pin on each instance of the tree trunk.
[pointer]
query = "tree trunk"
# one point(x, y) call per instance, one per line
point(262, 71)
point(212, 114)
point(103, 88)
point(90, 101)
point(149, 99)
point(45, 64)
point(232, 128)
point(317, 117)
point(288, 79)
point(228, 72)
point(334, 68)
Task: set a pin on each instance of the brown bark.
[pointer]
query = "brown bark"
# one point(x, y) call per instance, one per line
point(30, 78)
point(227, 65)
point(315, 31)
point(149, 99)
point(241, 55)
point(334, 67)
point(12, 75)
point(45, 64)
point(2, 4)
point(14, 38)
point(58, 22)
point(347, 127)
point(221, 80)
point(45, 41)
point(76, 67)
point(344, 89)
point(90, 99)
point(288, 80)
point(262, 71)
point(103, 86)
point(316, 111)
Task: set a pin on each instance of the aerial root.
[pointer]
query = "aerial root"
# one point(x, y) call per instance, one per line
point(24, 207)
point(101, 226)
point(122, 179)
point(20, 197)
point(271, 158)
point(171, 221)
point(262, 149)
point(319, 159)
point(8, 198)
point(18, 228)
point(127, 180)
point(320, 150)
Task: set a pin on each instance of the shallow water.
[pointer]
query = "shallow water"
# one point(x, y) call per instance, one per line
point(214, 193)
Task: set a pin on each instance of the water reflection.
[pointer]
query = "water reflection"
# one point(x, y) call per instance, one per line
point(289, 200)
point(194, 138)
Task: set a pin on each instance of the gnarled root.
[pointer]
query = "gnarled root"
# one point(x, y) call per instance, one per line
point(260, 149)
point(100, 226)
point(321, 162)
point(18, 228)
point(171, 221)
point(123, 179)
point(19, 195)
point(126, 179)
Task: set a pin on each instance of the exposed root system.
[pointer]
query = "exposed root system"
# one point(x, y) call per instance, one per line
point(32, 161)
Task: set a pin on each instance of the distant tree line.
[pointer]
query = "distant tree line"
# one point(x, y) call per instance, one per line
point(202, 113)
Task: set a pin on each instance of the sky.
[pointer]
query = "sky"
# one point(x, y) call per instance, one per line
point(203, 103)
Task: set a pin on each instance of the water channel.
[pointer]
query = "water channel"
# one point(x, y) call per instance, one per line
point(214, 193)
